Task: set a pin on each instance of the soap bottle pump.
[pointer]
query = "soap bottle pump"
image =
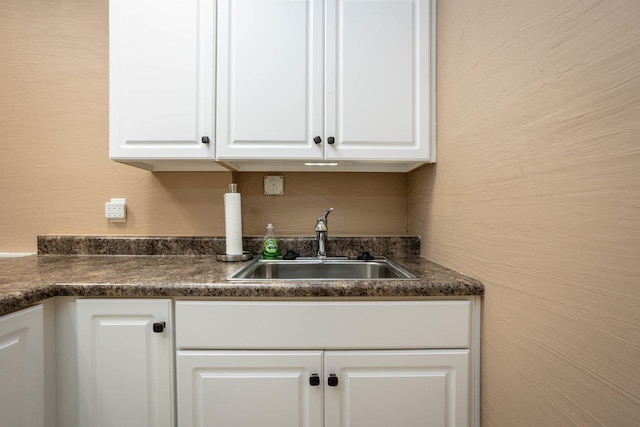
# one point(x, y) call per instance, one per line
point(270, 244)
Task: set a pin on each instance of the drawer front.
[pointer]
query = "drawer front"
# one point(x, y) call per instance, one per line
point(322, 325)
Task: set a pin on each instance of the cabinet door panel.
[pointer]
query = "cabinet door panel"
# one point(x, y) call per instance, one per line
point(379, 79)
point(249, 389)
point(270, 79)
point(401, 388)
point(22, 369)
point(124, 367)
point(161, 78)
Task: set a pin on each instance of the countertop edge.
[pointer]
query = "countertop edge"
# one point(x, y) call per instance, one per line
point(17, 300)
point(31, 280)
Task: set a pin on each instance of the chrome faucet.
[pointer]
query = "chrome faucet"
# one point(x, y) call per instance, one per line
point(321, 231)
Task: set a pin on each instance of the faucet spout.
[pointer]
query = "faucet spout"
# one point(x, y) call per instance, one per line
point(321, 232)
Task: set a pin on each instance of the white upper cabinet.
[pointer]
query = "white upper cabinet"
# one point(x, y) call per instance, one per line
point(347, 81)
point(378, 80)
point(162, 87)
point(272, 84)
point(270, 79)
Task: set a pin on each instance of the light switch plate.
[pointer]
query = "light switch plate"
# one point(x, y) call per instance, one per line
point(274, 185)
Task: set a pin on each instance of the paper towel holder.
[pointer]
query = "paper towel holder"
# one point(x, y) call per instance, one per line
point(233, 232)
point(244, 256)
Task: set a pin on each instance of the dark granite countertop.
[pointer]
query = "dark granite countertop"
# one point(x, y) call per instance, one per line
point(28, 280)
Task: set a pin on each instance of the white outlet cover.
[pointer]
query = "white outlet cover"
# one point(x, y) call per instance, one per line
point(274, 185)
point(116, 210)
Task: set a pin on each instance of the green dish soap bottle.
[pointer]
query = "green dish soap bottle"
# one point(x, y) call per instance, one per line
point(270, 244)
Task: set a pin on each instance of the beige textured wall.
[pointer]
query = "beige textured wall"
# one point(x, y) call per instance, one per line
point(374, 204)
point(537, 193)
point(55, 175)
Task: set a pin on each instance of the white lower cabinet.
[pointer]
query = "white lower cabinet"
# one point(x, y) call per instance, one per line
point(327, 364)
point(408, 388)
point(249, 388)
point(290, 388)
point(254, 364)
point(22, 385)
point(125, 362)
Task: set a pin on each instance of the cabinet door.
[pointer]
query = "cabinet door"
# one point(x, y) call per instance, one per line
point(161, 79)
point(270, 79)
point(397, 388)
point(22, 369)
point(125, 368)
point(380, 75)
point(249, 389)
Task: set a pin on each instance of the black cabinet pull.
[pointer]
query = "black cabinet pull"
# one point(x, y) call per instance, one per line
point(205, 140)
point(333, 380)
point(317, 140)
point(331, 140)
point(314, 380)
point(158, 327)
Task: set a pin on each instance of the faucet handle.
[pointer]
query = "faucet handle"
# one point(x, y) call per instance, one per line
point(321, 223)
point(324, 216)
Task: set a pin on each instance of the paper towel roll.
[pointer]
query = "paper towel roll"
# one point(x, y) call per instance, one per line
point(233, 223)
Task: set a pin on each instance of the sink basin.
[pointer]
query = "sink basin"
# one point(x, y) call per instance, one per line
point(321, 269)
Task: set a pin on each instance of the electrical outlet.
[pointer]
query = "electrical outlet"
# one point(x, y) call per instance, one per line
point(116, 210)
point(274, 185)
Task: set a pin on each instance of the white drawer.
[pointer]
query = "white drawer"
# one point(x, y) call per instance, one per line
point(322, 325)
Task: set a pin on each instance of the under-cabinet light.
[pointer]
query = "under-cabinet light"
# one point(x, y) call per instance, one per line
point(321, 164)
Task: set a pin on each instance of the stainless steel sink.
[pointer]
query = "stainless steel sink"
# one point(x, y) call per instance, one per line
point(321, 269)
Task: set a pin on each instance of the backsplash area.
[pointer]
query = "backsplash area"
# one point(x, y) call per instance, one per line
point(403, 246)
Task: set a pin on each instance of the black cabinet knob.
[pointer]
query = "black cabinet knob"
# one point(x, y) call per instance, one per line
point(333, 380)
point(331, 140)
point(158, 327)
point(314, 380)
point(205, 140)
point(317, 140)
